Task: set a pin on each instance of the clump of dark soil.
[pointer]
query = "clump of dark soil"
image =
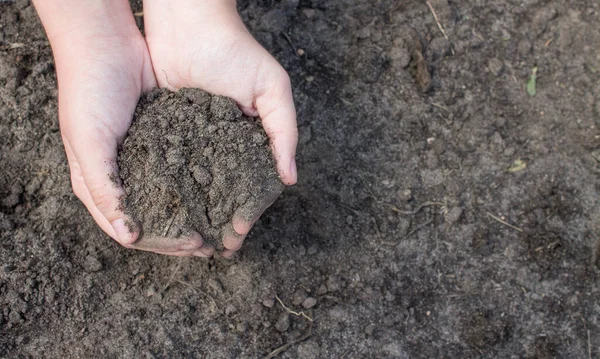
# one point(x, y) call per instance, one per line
point(191, 160)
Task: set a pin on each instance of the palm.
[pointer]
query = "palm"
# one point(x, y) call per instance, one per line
point(208, 47)
point(98, 93)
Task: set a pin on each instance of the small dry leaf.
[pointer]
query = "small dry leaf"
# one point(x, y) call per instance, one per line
point(517, 165)
point(16, 45)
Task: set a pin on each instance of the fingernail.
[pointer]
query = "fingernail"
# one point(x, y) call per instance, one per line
point(124, 236)
point(293, 170)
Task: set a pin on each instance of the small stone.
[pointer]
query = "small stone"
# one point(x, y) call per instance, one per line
point(312, 249)
point(453, 215)
point(400, 56)
point(322, 289)
point(92, 264)
point(309, 303)
point(310, 78)
point(201, 175)
point(241, 327)
point(349, 220)
point(439, 47)
point(283, 323)
point(500, 122)
point(300, 52)
point(301, 250)
point(309, 13)
point(370, 329)
point(405, 195)
point(230, 309)
point(509, 151)
point(334, 283)
point(309, 350)
point(269, 303)
point(495, 66)
point(299, 297)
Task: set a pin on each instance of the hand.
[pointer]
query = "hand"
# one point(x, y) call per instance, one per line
point(103, 66)
point(205, 44)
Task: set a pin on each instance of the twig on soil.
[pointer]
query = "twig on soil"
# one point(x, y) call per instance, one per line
point(389, 12)
point(589, 345)
point(294, 50)
point(505, 223)
point(437, 20)
point(174, 273)
point(417, 210)
point(441, 106)
point(285, 347)
point(418, 228)
point(588, 337)
point(170, 223)
point(298, 314)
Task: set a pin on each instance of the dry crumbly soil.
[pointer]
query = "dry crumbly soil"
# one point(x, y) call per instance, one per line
point(189, 162)
point(387, 243)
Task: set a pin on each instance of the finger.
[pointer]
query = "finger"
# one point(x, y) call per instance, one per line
point(96, 154)
point(191, 243)
point(248, 213)
point(231, 239)
point(275, 105)
point(80, 190)
point(227, 253)
point(206, 251)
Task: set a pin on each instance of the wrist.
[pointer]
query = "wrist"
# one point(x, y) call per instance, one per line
point(191, 16)
point(73, 22)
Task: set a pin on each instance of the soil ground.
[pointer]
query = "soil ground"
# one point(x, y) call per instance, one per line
point(392, 241)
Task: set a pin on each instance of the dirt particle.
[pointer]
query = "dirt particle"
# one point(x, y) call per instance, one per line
point(269, 303)
point(309, 350)
point(309, 303)
point(92, 264)
point(283, 323)
point(453, 215)
point(495, 66)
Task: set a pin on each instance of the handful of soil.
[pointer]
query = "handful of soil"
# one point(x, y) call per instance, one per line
point(190, 160)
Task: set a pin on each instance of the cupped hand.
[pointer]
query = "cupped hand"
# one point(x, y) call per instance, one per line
point(102, 71)
point(205, 44)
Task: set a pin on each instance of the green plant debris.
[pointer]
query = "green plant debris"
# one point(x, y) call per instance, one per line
point(531, 84)
point(517, 165)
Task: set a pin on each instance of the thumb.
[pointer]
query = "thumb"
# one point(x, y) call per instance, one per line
point(275, 105)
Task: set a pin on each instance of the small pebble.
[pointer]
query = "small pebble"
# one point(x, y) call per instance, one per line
point(405, 195)
point(298, 297)
point(301, 250)
point(370, 329)
point(300, 52)
point(241, 327)
point(92, 264)
point(283, 323)
point(312, 249)
point(269, 303)
point(453, 215)
point(309, 350)
point(309, 302)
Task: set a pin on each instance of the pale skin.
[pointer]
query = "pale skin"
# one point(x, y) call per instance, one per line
point(104, 64)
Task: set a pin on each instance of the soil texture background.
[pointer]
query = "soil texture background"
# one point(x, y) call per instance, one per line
point(441, 211)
